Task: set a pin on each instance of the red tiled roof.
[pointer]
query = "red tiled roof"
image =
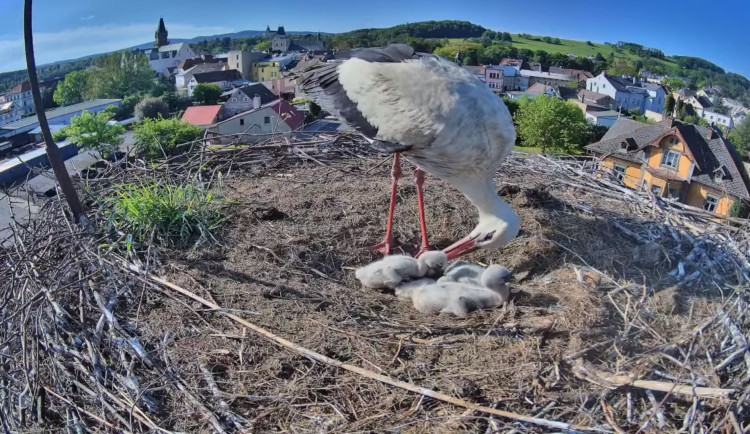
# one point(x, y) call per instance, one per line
point(202, 115)
point(289, 114)
point(23, 87)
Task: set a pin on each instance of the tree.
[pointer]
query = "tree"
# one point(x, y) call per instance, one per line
point(121, 74)
point(740, 137)
point(673, 83)
point(512, 105)
point(156, 138)
point(669, 105)
point(73, 88)
point(151, 108)
point(93, 132)
point(719, 106)
point(207, 93)
point(551, 124)
point(589, 43)
point(263, 46)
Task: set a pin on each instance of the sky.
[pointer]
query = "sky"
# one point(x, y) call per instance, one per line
point(716, 30)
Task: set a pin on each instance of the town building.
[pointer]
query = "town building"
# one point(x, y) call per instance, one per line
point(548, 78)
point(203, 115)
point(8, 113)
point(535, 90)
point(18, 131)
point(275, 117)
point(22, 97)
point(581, 74)
point(282, 43)
point(243, 61)
point(183, 78)
point(265, 70)
point(165, 55)
point(629, 93)
point(225, 79)
point(242, 99)
point(687, 163)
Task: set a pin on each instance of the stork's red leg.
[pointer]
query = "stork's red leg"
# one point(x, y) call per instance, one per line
point(419, 178)
point(385, 246)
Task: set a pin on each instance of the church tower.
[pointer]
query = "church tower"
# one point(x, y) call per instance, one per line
point(161, 35)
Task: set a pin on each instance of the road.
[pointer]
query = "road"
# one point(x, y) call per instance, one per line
point(20, 201)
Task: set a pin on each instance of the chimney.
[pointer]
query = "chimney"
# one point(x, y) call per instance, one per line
point(256, 102)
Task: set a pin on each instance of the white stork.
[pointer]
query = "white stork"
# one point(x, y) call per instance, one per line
point(435, 113)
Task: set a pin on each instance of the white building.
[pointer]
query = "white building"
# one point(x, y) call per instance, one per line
point(628, 93)
point(8, 113)
point(183, 77)
point(547, 78)
point(717, 118)
point(226, 79)
point(22, 97)
point(165, 55)
point(168, 56)
point(275, 117)
point(56, 116)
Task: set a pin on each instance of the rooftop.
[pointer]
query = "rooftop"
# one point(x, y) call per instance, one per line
point(58, 112)
point(550, 75)
point(202, 115)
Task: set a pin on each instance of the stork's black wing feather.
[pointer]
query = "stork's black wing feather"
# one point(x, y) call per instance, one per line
point(321, 82)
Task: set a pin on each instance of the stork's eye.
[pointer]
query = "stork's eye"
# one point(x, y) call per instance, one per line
point(488, 236)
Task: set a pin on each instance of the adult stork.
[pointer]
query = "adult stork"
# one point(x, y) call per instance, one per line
point(434, 113)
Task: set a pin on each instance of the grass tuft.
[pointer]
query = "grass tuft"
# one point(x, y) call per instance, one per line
point(167, 214)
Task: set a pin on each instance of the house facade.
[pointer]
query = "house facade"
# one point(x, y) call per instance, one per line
point(629, 93)
point(243, 61)
point(8, 113)
point(247, 98)
point(548, 78)
point(226, 79)
point(21, 96)
point(683, 162)
point(250, 126)
point(183, 77)
point(265, 70)
point(714, 118)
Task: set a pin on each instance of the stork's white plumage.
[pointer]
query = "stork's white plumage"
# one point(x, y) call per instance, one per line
point(435, 113)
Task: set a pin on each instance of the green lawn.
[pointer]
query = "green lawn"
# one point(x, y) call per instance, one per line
point(528, 149)
point(569, 46)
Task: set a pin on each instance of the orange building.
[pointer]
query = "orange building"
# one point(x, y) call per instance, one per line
point(692, 164)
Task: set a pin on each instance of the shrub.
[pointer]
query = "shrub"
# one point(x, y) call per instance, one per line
point(170, 215)
point(157, 138)
point(127, 107)
point(91, 131)
point(151, 108)
point(207, 93)
point(739, 209)
point(60, 135)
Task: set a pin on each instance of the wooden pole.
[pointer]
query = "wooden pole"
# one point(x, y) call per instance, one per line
point(53, 153)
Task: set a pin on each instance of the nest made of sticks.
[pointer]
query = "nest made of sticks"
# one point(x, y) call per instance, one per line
point(629, 312)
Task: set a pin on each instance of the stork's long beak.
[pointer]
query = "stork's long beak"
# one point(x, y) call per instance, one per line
point(461, 247)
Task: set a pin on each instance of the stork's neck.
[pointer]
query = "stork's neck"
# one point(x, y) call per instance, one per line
point(482, 194)
point(494, 213)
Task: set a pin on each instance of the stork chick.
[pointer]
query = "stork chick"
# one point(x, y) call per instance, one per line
point(390, 271)
point(462, 298)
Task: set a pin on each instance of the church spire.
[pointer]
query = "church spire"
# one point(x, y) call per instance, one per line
point(161, 34)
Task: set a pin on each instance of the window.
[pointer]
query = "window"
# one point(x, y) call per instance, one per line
point(670, 159)
point(673, 192)
point(656, 189)
point(620, 173)
point(234, 99)
point(266, 120)
point(604, 86)
point(710, 203)
point(245, 99)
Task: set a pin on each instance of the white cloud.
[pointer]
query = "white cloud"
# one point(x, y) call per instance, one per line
point(84, 41)
point(88, 17)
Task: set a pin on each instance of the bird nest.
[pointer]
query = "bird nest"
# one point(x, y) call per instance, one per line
point(628, 312)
